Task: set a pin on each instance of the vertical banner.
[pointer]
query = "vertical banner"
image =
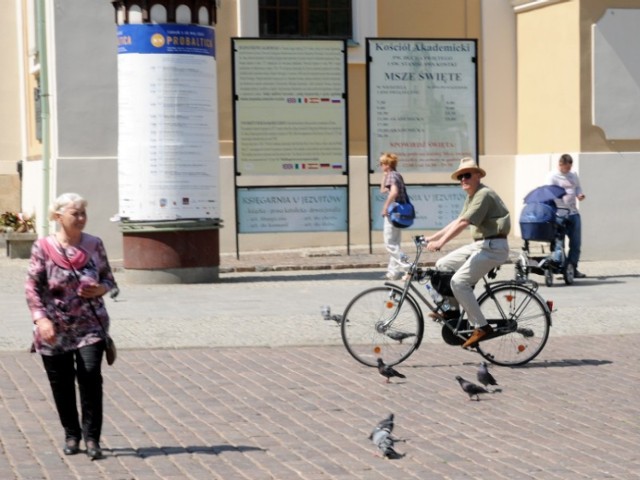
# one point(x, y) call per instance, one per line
point(290, 107)
point(422, 102)
point(168, 122)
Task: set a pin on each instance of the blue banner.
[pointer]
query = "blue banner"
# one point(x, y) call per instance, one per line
point(166, 38)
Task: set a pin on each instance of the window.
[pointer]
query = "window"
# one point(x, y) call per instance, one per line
point(305, 18)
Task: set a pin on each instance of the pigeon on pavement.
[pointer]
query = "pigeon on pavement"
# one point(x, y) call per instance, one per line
point(388, 371)
point(326, 314)
point(383, 440)
point(471, 388)
point(484, 377)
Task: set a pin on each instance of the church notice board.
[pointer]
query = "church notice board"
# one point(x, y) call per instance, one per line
point(436, 205)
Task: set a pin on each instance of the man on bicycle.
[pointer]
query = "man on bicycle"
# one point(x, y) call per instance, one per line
point(490, 225)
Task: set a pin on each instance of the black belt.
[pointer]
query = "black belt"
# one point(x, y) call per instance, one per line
point(493, 237)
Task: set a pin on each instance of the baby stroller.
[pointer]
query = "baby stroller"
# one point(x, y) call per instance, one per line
point(542, 220)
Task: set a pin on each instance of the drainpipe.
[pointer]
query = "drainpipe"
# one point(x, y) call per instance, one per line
point(41, 27)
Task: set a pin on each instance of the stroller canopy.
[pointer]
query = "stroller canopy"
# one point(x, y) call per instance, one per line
point(545, 194)
point(538, 219)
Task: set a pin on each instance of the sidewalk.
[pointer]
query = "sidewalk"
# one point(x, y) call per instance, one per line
point(244, 380)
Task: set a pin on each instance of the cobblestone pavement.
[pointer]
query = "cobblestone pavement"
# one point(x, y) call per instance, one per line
point(244, 380)
point(306, 412)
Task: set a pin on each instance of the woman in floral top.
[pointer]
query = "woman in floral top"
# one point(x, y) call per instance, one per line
point(68, 274)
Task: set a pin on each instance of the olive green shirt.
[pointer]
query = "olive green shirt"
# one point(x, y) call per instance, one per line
point(487, 214)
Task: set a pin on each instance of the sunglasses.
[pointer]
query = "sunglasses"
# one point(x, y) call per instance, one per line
point(464, 176)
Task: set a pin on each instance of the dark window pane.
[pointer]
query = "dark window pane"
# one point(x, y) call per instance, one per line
point(268, 23)
point(318, 24)
point(340, 24)
point(318, 18)
point(289, 22)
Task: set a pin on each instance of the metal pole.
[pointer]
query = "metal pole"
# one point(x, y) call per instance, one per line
point(41, 28)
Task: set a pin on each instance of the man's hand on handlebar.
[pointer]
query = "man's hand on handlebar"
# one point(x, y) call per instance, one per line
point(434, 245)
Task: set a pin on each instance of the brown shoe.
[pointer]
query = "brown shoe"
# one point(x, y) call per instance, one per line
point(477, 335)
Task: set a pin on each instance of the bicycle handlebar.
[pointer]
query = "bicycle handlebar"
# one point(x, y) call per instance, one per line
point(419, 240)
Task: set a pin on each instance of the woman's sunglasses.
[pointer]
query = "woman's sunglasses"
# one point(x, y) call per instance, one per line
point(464, 176)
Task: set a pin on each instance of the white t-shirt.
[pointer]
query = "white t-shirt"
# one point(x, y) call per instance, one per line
point(571, 183)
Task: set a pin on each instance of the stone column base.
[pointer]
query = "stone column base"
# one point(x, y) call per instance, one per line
point(181, 251)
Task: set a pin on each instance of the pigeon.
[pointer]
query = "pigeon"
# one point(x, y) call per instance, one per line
point(388, 371)
point(383, 440)
point(471, 388)
point(326, 314)
point(399, 335)
point(115, 291)
point(484, 377)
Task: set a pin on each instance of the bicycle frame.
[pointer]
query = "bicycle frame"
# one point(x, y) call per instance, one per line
point(416, 274)
point(377, 320)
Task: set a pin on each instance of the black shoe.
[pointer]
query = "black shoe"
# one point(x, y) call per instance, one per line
point(448, 315)
point(94, 451)
point(71, 447)
point(577, 274)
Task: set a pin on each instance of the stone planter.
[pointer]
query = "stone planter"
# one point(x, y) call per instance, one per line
point(19, 244)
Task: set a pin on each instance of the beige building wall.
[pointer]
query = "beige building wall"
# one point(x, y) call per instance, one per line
point(534, 93)
point(10, 133)
point(555, 104)
point(549, 78)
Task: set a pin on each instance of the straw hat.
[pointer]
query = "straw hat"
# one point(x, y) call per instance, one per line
point(467, 164)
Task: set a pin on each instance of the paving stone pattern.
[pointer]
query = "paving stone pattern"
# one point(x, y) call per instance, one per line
point(244, 380)
point(306, 412)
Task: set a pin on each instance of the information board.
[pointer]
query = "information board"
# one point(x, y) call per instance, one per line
point(436, 205)
point(290, 109)
point(422, 102)
point(291, 209)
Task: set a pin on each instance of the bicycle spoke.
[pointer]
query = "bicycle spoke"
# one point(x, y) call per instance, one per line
point(519, 345)
point(376, 325)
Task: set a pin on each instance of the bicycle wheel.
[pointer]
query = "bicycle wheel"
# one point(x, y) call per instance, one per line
point(521, 320)
point(374, 326)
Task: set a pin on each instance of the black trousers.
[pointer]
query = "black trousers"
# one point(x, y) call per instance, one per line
point(62, 370)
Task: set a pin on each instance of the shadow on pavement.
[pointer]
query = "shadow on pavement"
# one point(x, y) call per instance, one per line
point(567, 362)
point(172, 450)
point(304, 275)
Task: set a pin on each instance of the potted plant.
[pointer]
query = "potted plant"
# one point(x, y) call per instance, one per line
point(19, 233)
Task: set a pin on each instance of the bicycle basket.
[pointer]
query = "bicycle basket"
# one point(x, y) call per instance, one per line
point(441, 281)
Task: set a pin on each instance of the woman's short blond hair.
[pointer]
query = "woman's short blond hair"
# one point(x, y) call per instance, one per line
point(63, 201)
point(390, 159)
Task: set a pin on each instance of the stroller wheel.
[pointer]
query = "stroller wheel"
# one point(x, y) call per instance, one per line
point(569, 273)
point(548, 277)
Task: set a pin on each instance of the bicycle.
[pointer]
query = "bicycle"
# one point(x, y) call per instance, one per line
point(387, 321)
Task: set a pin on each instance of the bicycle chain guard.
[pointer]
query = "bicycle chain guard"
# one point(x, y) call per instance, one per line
point(451, 338)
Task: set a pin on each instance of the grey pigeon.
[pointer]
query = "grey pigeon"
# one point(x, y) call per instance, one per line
point(399, 335)
point(388, 371)
point(471, 388)
point(484, 377)
point(383, 440)
point(326, 314)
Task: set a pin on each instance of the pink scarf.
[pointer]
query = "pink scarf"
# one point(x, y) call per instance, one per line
point(74, 260)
